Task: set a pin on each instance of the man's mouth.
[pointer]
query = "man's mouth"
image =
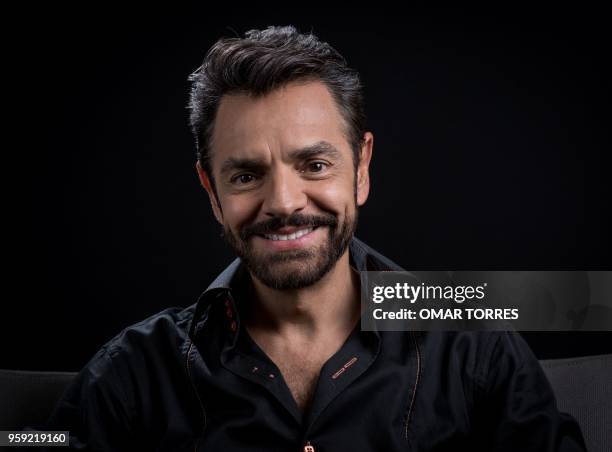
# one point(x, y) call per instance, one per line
point(291, 236)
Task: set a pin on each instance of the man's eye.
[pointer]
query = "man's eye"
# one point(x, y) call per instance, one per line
point(316, 167)
point(243, 179)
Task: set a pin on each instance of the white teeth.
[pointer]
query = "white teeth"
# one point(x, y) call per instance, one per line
point(292, 236)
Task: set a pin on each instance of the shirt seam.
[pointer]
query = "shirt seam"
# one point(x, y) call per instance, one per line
point(481, 378)
point(111, 357)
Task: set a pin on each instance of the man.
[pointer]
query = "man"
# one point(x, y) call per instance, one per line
point(271, 357)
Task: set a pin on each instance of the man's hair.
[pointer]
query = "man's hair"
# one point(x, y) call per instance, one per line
point(265, 60)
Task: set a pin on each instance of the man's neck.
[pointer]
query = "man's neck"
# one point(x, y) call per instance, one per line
point(331, 305)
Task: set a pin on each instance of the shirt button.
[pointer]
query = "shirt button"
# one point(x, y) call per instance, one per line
point(254, 369)
point(309, 447)
point(271, 375)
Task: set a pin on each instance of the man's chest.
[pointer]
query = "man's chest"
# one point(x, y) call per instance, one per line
point(348, 399)
point(301, 374)
point(300, 363)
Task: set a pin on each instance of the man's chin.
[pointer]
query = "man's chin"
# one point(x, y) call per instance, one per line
point(287, 278)
point(297, 257)
point(287, 261)
point(288, 270)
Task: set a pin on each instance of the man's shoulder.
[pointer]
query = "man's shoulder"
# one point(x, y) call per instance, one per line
point(171, 323)
point(157, 337)
point(122, 381)
point(477, 355)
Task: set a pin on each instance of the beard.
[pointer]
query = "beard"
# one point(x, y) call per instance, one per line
point(293, 269)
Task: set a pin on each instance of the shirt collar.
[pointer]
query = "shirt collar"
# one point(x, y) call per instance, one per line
point(361, 256)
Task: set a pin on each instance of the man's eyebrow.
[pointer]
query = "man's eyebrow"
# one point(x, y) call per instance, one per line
point(321, 148)
point(248, 164)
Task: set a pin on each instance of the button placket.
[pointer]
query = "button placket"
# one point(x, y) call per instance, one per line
point(253, 368)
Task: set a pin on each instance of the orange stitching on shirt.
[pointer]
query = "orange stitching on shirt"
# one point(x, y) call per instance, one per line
point(195, 447)
point(416, 382)
point(348, 364)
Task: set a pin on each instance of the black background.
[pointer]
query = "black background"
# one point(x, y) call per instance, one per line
point(491, 133)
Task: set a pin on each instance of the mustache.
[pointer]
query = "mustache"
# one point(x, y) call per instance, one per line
point(270, 226)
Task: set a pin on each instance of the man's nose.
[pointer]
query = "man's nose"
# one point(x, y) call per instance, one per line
point(284, 195)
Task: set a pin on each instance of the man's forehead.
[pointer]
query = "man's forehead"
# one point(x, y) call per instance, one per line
point(292, 117)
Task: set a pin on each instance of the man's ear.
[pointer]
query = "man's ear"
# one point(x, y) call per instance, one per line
point(363, 174)
point(207, 184)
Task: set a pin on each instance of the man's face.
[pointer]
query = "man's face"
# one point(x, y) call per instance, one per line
point(286, 182)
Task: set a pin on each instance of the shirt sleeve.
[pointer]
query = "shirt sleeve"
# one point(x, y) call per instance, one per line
point(517, 408)
point(94, 408)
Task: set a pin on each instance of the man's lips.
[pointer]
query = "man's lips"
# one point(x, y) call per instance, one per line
point(286, 225)
point(288, 233)
point(290, 229)
point(289, 237)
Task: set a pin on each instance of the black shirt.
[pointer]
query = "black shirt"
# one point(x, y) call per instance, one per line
point(193, 379)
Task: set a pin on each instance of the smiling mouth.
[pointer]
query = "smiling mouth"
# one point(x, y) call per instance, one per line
point(293, 236)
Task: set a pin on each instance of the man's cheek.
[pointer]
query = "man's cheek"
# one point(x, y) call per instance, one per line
point(236, 222)
point(331, 204)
